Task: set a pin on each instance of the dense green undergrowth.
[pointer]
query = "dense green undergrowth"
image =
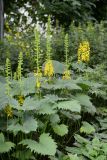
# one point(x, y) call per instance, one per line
point(59, 111)
point(16, 41)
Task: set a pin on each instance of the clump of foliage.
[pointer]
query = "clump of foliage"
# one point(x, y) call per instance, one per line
point(45, 112)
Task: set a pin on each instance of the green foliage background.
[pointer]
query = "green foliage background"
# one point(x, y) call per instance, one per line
point(65, 11)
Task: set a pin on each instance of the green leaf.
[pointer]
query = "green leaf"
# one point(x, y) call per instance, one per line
point(72, 116)
point(51, 98)
point(74, 150)
point(72, 106)
point(26, 87)
point(45, 146)
point(101, 157)
point(58, 67)
point(2, 138)
point(29, 124)
point(54, 118)
point(5, 146)
point(46, 108)
point(60, 129)
point(80, 139)
point(87, 128)
point(87, 83)
point(62, 84)
point(73, 157)
point(104, 147)
point(96, 142)
point(85, 101)
point(28, 105)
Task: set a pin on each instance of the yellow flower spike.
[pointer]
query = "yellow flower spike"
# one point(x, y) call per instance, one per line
point(84, 52)
point(66, 75)
point(21, 100)
point(8, 111)
point(49, 69)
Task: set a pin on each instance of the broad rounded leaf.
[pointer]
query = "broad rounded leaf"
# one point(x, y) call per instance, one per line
point(45, 146)
point(60, 129)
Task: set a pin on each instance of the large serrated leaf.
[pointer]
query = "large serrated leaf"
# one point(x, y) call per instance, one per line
point(74, 150)
point(29, 104)
point(51, 98)
point(80, 139)
point(84, 100)
point(62, 84)
point(58, 67)
point(26, 87)
point(46, 108)
point(5, 146)
point(45, 146)
point(72, 105)
point(29, 124)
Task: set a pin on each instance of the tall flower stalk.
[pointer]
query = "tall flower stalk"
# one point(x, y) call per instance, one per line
point(8, 76)
point(38, 73)
point(66, 74)
point(8, 109)
point(48, 68)
point(20, 68)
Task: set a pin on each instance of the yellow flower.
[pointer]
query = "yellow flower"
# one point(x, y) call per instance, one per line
point(66, 75)
point(21, 100)
point(38, 75)
point(38, 83)
point(8, 111)
point(84, 52)
point(48, 69)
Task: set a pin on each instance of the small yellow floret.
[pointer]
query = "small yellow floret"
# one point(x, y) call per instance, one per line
point(66, 75)
point(38, 84)
point(21, 100)
point(8, 111)
point(38, 75)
